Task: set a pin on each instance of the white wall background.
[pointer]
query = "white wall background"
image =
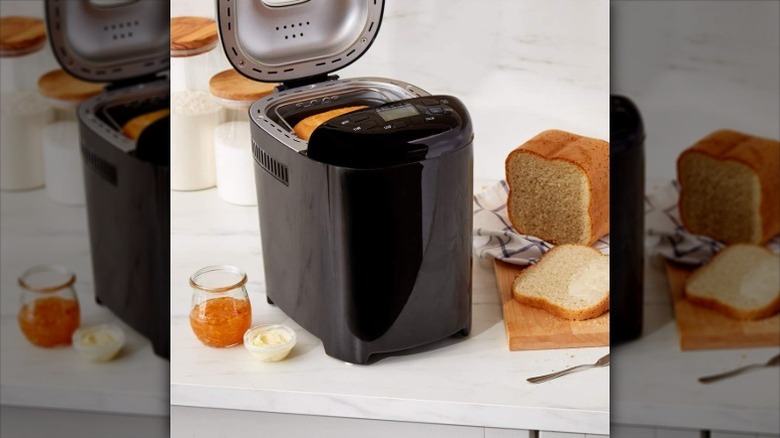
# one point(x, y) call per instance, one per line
point(520, 66)
point(695, 67)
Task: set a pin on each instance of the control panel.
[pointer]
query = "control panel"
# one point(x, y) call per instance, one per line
point(395, 133)
point(398, 116)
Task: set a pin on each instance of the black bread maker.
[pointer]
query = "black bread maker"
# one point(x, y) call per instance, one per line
point(127, 182)
point(365, 228)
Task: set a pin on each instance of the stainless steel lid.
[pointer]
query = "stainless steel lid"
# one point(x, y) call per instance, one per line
point(110, 40)
point(286, 40)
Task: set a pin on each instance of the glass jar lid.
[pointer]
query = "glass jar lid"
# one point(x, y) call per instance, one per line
point(192, 36)
point(235, 91)
point(61, 86)
point(21, 36)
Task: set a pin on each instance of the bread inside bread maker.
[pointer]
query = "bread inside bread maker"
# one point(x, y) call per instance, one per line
point(287, 114)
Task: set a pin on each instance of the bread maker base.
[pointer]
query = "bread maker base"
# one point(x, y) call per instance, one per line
point(128, 209)
point(368, 260)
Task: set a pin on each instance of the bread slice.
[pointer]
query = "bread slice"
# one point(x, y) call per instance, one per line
point(730, 187)
point(741, 281)
point(570, 281)
point(559, 188)
point(305, 127)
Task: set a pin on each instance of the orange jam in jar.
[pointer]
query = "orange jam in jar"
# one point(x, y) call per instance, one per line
point(50, 309)
point(221, 322)
point(50, 321)
point(221, 312)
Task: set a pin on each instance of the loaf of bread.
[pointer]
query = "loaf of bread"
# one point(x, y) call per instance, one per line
point(133, 128)
point(305, 127)
point(741, 281)
point(559, 188)
point(730, 187)
point(569, 281)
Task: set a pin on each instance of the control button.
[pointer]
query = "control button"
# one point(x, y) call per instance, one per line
point(359, 117)
point(326, 100)
point(388, 126)
point(369, 124)
point(345, 122)
point(429, 102)
point(430, 119)
point(334, 98)
point(417, 120)
point(314, 102)
point(401, 124)
point(436, 110)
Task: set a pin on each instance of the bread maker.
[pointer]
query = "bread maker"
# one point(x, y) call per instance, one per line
point(627, 219)
point(365, 228)
point(127, 182)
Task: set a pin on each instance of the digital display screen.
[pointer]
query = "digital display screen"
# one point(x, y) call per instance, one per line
point(398, 113)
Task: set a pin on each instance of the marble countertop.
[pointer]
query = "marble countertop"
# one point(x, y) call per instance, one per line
point(35, 231)
point(476, 381)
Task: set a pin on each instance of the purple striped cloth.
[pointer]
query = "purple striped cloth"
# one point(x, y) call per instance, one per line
point(495, 237)
point(662, 219)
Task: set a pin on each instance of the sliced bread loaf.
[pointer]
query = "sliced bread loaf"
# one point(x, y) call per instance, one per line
point(570, 281)
point(559, 188)
point(305, 127)
point(741, 281)
point(730, 187)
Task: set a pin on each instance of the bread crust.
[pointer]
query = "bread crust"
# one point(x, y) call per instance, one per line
point(723, 308)
point(735, 313)
point(540, 303)
point(562, 312)
point(761, 155)
point(591, 155)
point(306, 127)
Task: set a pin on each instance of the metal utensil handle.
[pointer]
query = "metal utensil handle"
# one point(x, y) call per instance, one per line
point(727, 374)
point(555, 375)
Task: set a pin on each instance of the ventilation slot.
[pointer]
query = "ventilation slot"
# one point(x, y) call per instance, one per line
point(101, 167)
point(270, 165)
point(291, 31)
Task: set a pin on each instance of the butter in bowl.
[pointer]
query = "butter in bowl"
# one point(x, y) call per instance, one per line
point(269, 343)
point(99, 343)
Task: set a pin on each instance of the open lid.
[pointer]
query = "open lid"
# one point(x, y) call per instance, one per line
point(110, 40)
point(289, 40)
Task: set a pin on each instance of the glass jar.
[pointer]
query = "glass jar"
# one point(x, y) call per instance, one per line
point(233, 138)
point(194, 112)
point(221, 312)
point(23, 112)
point(61, 151)
point(49, 312)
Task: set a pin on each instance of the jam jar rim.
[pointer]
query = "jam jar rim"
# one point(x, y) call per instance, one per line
point(24, 284)
point(240, 283)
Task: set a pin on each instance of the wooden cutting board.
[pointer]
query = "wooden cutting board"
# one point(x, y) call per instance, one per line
point(528, 328)
point(700, 328)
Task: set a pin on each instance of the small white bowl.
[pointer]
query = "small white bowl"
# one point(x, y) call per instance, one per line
point(99, 343)
point(270, 353)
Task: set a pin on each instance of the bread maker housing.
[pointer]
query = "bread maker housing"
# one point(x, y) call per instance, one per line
point(370, 254)
point(127, 182)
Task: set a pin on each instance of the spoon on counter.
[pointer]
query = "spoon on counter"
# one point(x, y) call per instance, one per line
point(604, 361)
point(773, 362)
